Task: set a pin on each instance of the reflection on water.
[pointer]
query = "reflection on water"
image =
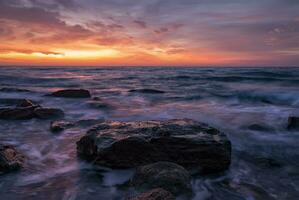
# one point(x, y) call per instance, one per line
point(265, 162)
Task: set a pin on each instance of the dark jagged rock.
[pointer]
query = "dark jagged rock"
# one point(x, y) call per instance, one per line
point(72, 93)
point(10, 159)
point(48, 113)
point(293, 123)
point(132, 144)
point(58, 126)
point(17, 113)
point(147, 91)
point(155, 194)
point(166, 175)
point(9, 89)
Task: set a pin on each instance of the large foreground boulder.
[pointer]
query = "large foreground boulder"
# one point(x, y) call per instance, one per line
point(131, 144)
point(155, 194)
point(166, 175)
point(72, 93)
point(293, 123)
point(10, 159)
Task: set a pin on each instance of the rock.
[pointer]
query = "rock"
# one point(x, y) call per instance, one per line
point(100, 105)
point(48, 113)
point(58, 126)
point(166, 175)
point(293, 123)
point(26, 103)
point(147, 91)
point(259, 127)
point(72, 93)
point(13, 102)
point(10, 159)
point(131, 144)
point(8, 89)
point(17, 113)
point(155, 194)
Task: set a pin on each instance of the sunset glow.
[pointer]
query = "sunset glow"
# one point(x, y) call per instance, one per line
point(73, 32)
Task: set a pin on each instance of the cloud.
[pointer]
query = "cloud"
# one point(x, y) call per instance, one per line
point(141, 24)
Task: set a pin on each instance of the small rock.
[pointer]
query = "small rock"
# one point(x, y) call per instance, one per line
point(48, 113)
point(155, 194)
point(58, 126)
point(72, 93)
point(17, 113)
point(10, 159)
point(148, 91)
point(26, 103)
point(166, 175)
point(293, 123)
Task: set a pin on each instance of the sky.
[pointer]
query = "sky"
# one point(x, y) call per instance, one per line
point(149, 32)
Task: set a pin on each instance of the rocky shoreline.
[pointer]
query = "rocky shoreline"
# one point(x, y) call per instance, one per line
point(165, 154)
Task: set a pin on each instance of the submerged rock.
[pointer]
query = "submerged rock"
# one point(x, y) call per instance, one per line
point(17, 113)
point(293, 123)
point(131, 144)
point(25, 113)
point(13, 101)
point(259, 127)
point(155, 194)
point(58, 126)
point(72, 93)
point(10, 159)
point(166, 175)
point(9, 89)
point(148, 91)
point(48, 113)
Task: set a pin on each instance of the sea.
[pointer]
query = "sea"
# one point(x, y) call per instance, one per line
point(250, 105)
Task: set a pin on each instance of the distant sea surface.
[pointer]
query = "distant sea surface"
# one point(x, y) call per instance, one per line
point(251, 105)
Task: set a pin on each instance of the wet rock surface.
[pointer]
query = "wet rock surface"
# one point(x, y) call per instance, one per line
point(131, 144)
point(293, 123)
point(155, 194)
point(166, 175)
point(10, 159)
point(72, 93)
